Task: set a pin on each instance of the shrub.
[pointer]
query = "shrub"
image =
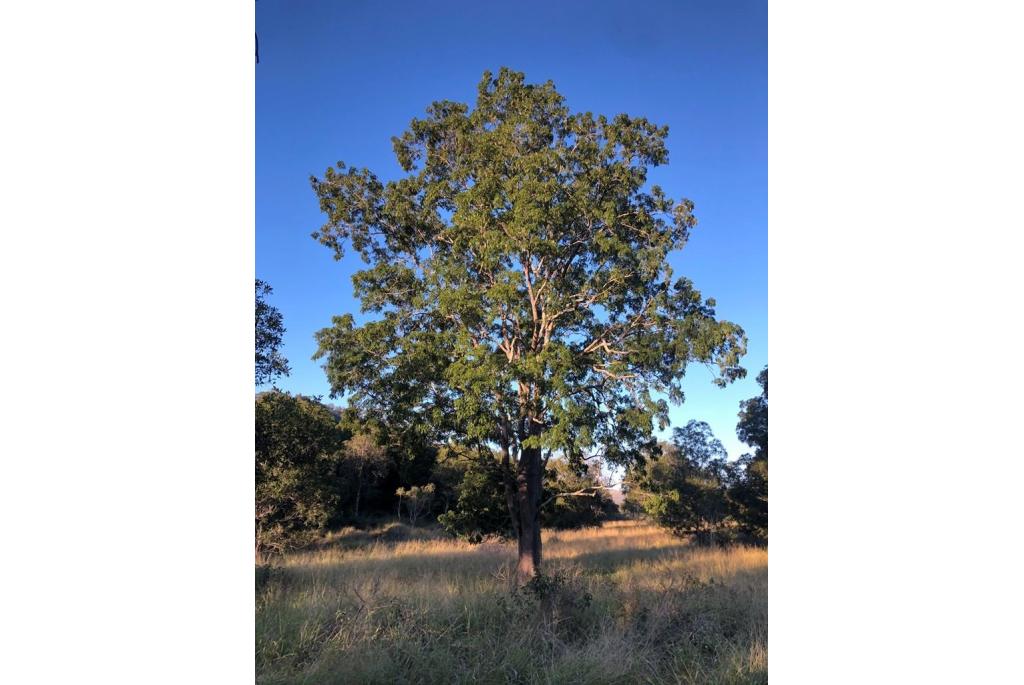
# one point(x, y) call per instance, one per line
point(480, 509)
point(558, 605)
point(298, 456)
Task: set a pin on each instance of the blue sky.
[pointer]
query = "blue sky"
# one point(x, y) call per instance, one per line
point(337, 79)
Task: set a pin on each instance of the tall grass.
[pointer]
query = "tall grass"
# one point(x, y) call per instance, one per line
point(627, 602)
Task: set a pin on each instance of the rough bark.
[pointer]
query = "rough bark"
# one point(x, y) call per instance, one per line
point(528, 499)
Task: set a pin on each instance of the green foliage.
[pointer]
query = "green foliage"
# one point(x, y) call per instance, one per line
point(686, 488)
point(298, 460)
point(446, 476)
point(589, 505)
point(318, 467)
point(519, 281)
point(749, 496)
point(270, 363)
point(753, 424)
point(558, 604)
point(413, 458)
point(480, 508)
point(407, 461)
point(749, 493)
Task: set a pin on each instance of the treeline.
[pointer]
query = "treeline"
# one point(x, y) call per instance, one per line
point(692, 488)
point(320, 467)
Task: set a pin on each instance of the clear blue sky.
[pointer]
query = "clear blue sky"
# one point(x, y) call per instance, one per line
point(337, 79)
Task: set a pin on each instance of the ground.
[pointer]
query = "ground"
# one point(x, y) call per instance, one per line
point(624, 603)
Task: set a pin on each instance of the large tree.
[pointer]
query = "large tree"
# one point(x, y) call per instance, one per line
point(519, 277)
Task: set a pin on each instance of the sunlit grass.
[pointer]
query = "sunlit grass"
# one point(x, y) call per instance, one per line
point(635, 604)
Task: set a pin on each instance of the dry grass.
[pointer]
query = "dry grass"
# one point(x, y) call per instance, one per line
point(628, 603)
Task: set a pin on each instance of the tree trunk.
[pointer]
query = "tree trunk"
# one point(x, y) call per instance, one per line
point(528, 494)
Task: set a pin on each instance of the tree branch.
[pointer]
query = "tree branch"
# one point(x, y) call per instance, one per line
point(589, 491)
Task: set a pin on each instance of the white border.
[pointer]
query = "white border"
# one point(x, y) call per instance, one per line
point(894, 241)
point(127, 267)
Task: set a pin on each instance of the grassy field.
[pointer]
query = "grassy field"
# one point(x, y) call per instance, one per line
point(625, 603)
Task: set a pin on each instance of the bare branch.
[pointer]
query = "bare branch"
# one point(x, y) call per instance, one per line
point(590, 491)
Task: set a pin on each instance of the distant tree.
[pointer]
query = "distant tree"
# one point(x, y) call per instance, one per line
point(753, 424)
point(298, 456)
point(686, 488)
point(270, 363)
point(410, 456)
point(749, 493)
point(446, 475)
point(521, 281)
point(417, 501)
point(479, 508)
point(574, 499)
point(368, 458)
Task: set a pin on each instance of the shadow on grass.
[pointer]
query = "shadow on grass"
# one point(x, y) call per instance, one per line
point(386, 559)
point(635, 542)
point(392, 533)
point(609, 560)
point(411, 566)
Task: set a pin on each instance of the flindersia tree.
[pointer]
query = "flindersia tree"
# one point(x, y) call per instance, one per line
point(519, 280)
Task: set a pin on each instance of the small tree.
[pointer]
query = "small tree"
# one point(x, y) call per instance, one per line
point(519, 273)
point(574, 499)
point(270, 363)
point(417, 500)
